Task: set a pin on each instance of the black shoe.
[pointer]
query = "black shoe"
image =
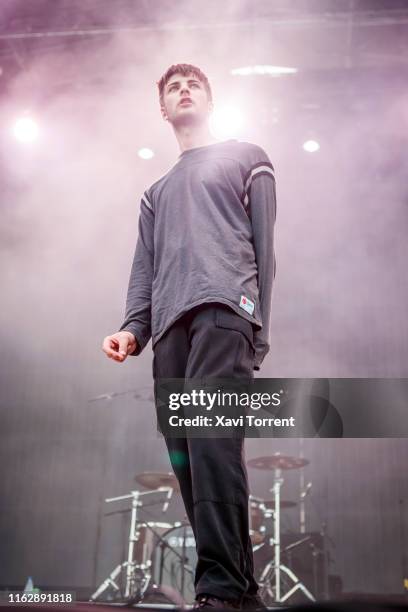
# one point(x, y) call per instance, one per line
point(209, 601)
point(253, 602)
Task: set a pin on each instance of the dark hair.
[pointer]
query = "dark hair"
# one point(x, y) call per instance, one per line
point(185, 70)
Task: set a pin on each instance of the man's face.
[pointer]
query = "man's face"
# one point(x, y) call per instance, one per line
point(181, 112)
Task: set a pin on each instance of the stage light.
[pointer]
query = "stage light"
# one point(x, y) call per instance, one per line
point(311, 146)
point(145, 153)
point(267, 69)
point(226, 122)
point(26, 129)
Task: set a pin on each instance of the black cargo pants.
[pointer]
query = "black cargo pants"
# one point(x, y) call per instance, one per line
point(211, 340)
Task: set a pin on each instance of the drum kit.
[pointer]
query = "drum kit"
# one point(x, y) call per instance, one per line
point(161, 556)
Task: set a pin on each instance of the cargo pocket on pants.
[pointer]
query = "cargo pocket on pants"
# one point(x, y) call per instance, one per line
point(227, 319)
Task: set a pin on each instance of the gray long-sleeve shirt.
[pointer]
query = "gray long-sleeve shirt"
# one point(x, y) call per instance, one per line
point(206, 235)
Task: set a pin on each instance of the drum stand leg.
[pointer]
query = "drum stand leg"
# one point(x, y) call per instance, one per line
point(275, 567)
point(130, 565)
point(109, 582)
point(266, 583)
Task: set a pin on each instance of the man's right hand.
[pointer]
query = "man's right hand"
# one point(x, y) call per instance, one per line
point(118, 346)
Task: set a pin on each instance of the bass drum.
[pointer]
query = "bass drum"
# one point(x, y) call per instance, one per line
point(174, 561)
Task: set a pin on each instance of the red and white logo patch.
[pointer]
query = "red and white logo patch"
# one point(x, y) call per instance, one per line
point(247, 304)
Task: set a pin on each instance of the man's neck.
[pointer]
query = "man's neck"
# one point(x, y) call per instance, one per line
point(189, 137)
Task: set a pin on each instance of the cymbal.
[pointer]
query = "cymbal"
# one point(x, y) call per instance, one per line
point(155, 480)
point(277, 461)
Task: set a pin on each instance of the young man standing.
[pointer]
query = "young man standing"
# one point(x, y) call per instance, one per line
point(200, 286)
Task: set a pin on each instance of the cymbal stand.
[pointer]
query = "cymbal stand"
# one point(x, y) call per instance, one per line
point(274, 568)
point(302, 494)
point(132, 589)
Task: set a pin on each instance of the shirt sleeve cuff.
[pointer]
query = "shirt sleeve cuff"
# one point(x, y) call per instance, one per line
point(141, 339)
point(260, 353)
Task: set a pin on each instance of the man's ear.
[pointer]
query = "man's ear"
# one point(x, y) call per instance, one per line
point(163, 112)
